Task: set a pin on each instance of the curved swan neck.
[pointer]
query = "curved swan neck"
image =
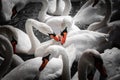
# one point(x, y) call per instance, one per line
point(66, 69)
point(29, 30)
point(88, 3)
point(8, 55)
point(58, 10)
point(108, 12)
point(67, 8)
point(44, 8)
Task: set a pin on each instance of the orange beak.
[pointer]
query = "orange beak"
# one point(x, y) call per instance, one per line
point(55, 37)
point(63, 38)
point(14, 46)
point(44, 63)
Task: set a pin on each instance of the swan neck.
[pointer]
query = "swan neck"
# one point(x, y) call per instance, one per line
point(58, 10)
point(88, 3)
point(42, 12)
point(29, 30)
point(8, 56)
point(67, 8)
point(82, 71)
point(66, 69)
point(108, 12)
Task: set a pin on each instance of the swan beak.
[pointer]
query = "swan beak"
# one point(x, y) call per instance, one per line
point(63, 38)
point(44, 63)
point(95, 2)
point(55, 37)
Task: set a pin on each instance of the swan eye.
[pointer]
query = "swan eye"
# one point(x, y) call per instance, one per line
point(14, 12)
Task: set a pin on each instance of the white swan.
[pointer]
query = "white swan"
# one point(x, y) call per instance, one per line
point(17, 33)
point(30, 68)
point(43, 17)
point(8, 52)
point(87, 14)
point(103, 26)
point(88, 63)
point(56, 51)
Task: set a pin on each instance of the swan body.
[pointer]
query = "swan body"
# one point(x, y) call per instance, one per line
point(91, 40)
point(87, 14)
point(8, 52)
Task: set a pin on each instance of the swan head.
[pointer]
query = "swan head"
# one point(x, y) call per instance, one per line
point(51, 51)
point(10, 32)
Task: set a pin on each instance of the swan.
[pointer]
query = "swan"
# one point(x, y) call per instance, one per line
point(31, 67)
point(17, 33)
point(8, 52)
point(89, 61)
point(43, 17)
point(55, 51)
point(88, 14)
point(103, 26)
